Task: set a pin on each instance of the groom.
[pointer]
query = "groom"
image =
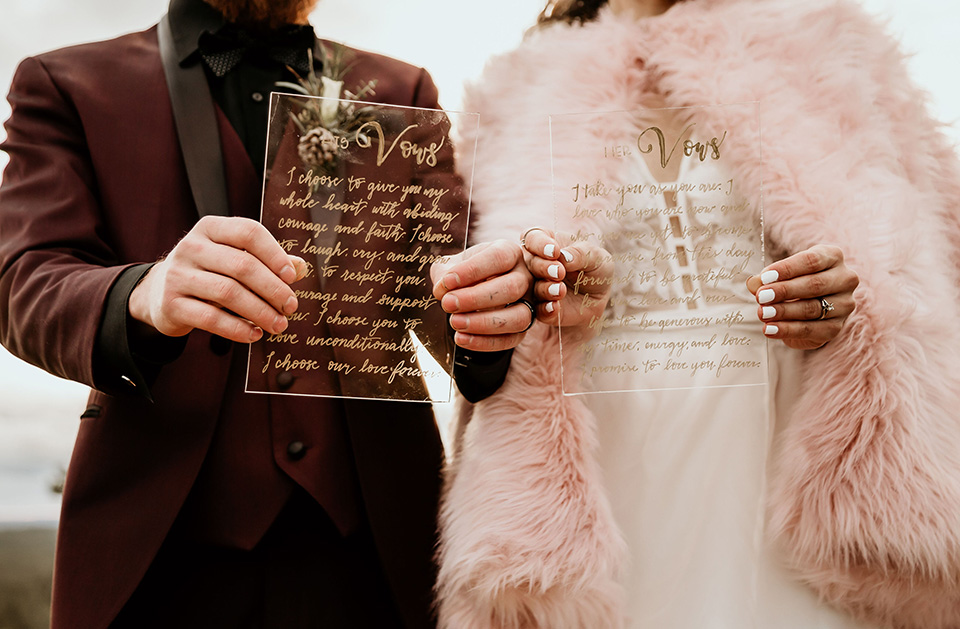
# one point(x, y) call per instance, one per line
point(189, 503)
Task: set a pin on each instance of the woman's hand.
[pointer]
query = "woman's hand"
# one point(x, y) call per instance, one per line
point(577, 277)
point(805, 299)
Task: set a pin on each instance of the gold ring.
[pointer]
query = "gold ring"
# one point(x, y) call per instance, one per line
point(523, 238)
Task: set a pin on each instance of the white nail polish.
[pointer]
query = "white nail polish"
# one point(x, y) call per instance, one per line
point(548, 250)
point(554, 290)
point(554, 271)
point(567, 255)
point(766, 296)
point(769, 277)
point(548, 306)
point(770, 330)
point(769, 313)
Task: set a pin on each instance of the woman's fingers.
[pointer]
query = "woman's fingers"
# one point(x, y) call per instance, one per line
point(550, 291)
point(547, 270)
point(804, 334)
point(832, 307)
point(834, 281)
point(808, 262)
point(805, 299)
point(540, 242)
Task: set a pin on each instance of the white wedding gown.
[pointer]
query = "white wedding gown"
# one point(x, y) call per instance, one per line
point(685, 471)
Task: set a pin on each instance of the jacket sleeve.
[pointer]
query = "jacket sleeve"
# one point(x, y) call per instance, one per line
point(477, 374)
point(56, 267)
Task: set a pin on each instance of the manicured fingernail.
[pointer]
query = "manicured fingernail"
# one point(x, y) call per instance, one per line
point(290, 306)
point(768, 312)
point(766, 296)
point(770, 330)
point(548, 306)
point(458, 322)
point(554, 290)
point(554, 271)
point(280, 324)
point(451, 281)
point(548, 250)
point(769, 277)
point(255, 334)
point(288, 274)
point(566, 255)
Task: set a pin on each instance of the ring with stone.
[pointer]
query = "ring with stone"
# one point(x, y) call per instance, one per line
point(825, 307)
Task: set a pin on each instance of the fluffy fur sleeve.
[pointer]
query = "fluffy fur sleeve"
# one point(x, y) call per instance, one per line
point(527, 537)
point(866, 496)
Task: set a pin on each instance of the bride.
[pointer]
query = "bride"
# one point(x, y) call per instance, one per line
point(828, 498)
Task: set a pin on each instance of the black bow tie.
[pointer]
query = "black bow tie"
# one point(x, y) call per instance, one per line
point(223, 50)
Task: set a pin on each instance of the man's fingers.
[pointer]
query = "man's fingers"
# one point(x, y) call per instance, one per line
point(249, 271)
point(493, 293)
point(251, 236)
point(231, 295)
point(210, 318)
point(227, 276)
point(511, 320)
point(301, 266)
point(486, 343)
point(478, 264)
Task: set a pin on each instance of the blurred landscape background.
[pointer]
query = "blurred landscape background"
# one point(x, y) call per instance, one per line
point(39, 414)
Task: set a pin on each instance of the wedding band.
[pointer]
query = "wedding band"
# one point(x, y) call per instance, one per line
point(523, 238)
point(533, 312)
point(825, 307)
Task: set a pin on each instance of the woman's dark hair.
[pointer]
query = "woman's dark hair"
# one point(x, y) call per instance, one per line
point(570, 11)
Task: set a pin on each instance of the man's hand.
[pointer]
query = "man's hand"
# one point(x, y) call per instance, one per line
point(481, 288)
point(227, 276)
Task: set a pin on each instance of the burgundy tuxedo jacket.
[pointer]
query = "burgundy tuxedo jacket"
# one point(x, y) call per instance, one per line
point(96, 183)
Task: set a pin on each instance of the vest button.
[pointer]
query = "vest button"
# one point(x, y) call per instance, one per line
point(296, 450)
point(285, 380)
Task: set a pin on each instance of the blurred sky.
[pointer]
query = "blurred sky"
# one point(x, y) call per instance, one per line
point(451, 38)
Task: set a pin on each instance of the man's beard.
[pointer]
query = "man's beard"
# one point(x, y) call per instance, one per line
point(264, 14)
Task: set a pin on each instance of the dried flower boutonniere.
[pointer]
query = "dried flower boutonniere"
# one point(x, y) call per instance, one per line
point(328, 126)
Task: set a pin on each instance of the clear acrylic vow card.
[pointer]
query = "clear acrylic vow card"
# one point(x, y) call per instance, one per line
point(367, 195)
point(672, 198)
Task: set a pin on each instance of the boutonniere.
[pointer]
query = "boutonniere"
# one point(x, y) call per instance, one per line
point(328, 125)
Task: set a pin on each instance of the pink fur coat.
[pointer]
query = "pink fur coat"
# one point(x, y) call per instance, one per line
point(866, 498)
